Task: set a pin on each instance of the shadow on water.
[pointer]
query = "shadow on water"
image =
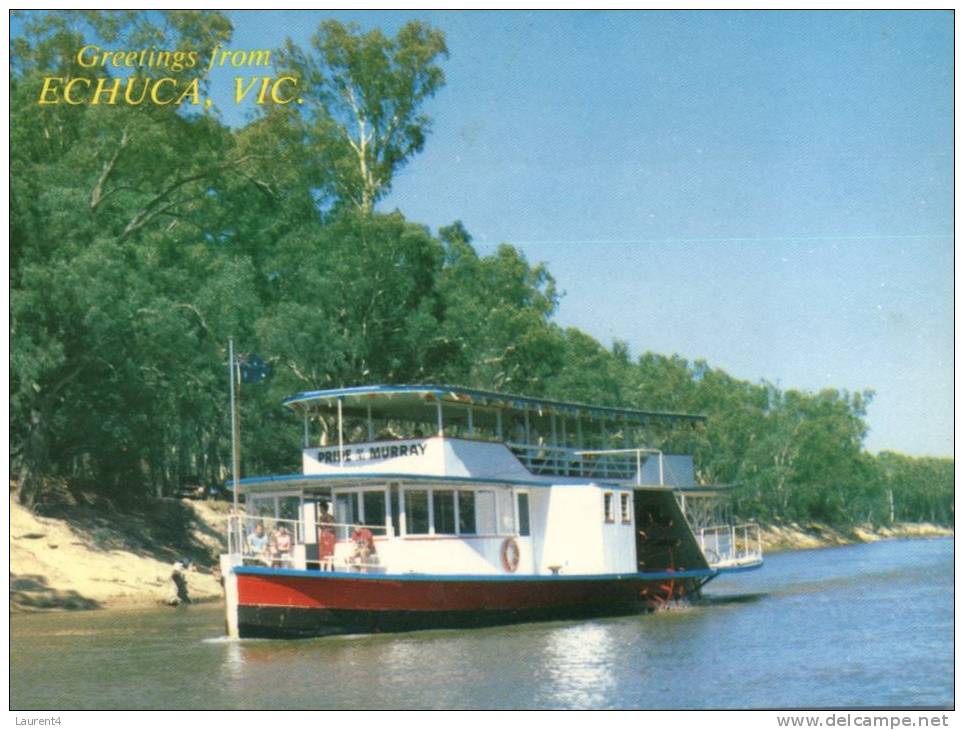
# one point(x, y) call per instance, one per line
point(722, 600)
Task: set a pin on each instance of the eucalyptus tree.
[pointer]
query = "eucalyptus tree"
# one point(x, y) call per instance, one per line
point(590, 373)
point(497, 329)
point(355, 302)
point(120, 297)
point(363, 94)
point(916, 488)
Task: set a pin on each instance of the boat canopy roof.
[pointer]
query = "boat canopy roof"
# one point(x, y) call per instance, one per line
point(421, 403)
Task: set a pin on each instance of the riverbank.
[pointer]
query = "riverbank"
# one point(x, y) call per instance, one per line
point(124, 560)
point(113, 559)
point(792, 536)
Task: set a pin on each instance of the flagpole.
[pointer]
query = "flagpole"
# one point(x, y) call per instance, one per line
point(235, 467)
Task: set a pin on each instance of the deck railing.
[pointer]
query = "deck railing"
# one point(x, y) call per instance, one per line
point(601, 464)
point(274, 550)
point(539, 458)
point(730, 545)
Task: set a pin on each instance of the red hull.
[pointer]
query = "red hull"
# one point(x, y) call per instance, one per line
point(291, 604)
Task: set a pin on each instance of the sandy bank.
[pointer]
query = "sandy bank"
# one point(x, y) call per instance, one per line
point(56, 564)
point(792, 536)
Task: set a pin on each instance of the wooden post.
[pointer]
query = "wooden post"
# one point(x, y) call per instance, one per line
point(341, 437)
point(235, 427)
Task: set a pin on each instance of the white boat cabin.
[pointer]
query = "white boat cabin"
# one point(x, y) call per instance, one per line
point(443, 480)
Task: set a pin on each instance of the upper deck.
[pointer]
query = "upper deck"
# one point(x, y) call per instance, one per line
point(462, 432)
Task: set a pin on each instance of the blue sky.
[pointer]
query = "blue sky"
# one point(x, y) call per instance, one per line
point(769, 191)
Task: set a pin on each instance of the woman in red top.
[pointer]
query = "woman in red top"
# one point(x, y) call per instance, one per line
point(326, 533)
point(364, 546)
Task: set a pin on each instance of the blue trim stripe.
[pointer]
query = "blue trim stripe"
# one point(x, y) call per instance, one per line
point(248, 481)
point(461, 578)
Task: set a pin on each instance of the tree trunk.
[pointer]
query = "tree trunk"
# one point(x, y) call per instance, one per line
point(35, 461)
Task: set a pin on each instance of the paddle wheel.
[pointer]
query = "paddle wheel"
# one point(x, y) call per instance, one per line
point(664, 545)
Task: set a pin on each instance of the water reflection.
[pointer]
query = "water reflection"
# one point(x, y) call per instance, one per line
point(580, 661)
point(233, 666)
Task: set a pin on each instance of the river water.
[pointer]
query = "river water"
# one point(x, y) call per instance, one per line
point(859, 626)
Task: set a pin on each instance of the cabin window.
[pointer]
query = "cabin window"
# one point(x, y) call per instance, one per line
point(443, 508)
point(485, 511)
point(260, 506)
point(466, 513)
point(285, 507)
point(609, 508)
point(346, 509)
point(373, 505)
point(288, 507)
point(416, 512)
point(625, 509)
point(522, 502)
point(462, 512)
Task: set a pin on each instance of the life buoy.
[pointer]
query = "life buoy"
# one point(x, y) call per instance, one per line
point(510, 555)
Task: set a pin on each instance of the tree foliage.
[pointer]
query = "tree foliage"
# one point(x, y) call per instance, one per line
point(143, 237)
point(364, 93)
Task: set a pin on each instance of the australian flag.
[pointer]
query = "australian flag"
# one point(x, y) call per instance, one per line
point(253, 368)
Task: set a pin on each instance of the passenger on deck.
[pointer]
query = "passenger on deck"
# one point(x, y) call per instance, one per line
point(388, 434)
point(538, 456)
point(258, 542)
point(326, 533)
point(325, 518)
point(518, 430)
point(280, 546)
point(363, 554)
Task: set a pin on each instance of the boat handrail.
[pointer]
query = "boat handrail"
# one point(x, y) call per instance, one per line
point(731, 545)
point(636, 453)
point(619, 464)
point(297, 555)
point(440, 409)
point(541, 458)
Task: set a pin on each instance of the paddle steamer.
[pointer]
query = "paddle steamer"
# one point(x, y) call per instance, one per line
point(425, 506)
